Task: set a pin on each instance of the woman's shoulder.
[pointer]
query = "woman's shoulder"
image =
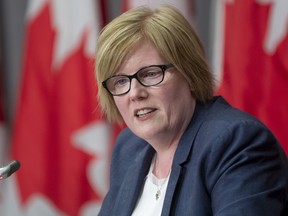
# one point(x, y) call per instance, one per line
point(225, 127)
point(220, 114)
point(128, 142)
point(127, 148)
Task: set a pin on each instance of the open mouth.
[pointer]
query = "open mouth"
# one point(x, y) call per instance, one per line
point(144, 112)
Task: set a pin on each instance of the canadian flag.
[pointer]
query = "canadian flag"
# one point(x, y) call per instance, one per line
point(60, 138)
point(251, 59)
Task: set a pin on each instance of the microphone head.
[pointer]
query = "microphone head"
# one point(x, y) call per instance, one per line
point(14, 166)
point(9, 169)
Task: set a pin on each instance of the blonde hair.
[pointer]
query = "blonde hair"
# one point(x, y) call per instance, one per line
point(173, 37)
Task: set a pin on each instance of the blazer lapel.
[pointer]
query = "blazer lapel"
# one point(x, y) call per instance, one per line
point(133, 182)
point(173, 180)
point(181, 156)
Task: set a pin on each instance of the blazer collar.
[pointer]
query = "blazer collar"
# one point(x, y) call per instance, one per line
point(181, 156)
point(186, 142)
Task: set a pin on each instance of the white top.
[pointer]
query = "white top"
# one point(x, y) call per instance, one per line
point(148, 204)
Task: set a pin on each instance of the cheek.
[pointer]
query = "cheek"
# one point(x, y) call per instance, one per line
point(120, 104)
point(178, 101)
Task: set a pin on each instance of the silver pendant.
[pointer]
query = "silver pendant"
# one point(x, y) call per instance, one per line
point(157, 195)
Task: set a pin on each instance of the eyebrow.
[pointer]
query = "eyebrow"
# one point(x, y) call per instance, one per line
point(143, 67)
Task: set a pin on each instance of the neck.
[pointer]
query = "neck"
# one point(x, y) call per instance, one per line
point(163, 164)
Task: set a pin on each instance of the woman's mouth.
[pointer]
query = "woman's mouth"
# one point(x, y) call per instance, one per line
point(143, 112)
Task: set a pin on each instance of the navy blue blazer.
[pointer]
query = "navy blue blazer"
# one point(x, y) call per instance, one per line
point(227, 163)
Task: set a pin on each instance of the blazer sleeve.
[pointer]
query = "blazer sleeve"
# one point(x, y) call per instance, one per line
point(247, 172)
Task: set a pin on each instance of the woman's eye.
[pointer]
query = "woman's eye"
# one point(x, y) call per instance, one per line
point(151, 74)
point(121, 81)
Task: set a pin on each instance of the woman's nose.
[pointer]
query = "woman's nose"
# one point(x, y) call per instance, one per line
point(137, 90)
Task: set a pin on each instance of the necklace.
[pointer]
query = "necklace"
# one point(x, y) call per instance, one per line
point(159, 187)
point(158, 182)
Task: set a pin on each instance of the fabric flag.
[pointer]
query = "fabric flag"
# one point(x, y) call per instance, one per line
point(185, 6)
point(60, 138)
point(251, 59)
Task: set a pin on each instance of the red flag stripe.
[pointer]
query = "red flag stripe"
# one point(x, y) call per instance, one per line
point(254, 79)
point(58, 103)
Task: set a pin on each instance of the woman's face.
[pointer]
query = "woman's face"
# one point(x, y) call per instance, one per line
point(157, 111)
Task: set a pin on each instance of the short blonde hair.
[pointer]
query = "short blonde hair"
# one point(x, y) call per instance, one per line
point(173, 37)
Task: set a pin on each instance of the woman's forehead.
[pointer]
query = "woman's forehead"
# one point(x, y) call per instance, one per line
point(142, 55)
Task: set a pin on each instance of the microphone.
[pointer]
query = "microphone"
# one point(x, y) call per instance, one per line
point(9, 169)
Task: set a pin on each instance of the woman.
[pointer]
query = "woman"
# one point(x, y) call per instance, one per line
point(184, 152)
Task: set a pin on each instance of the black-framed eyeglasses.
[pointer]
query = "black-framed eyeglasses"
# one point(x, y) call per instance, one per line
point(147, 76)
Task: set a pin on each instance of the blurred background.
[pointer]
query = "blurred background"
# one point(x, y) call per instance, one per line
point(48, 108)
point(13, 38)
